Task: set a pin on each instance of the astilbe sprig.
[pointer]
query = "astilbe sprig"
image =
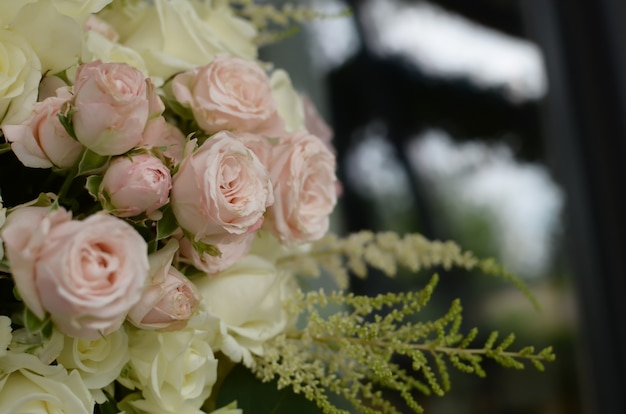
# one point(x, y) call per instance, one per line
point(276, 23)
point(386, 251)
point(354, 353)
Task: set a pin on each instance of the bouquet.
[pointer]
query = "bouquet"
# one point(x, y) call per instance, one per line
point(164, 192)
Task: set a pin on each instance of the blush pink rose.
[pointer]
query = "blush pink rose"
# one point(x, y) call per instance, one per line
point(111, 106)
point(170, 299)
point(221, 190)
point(231, 252)
point(41, 141)
point(137, 184)
point(166, 137)
point(168, 305)
point(230, 94)
point(90, 273)
point(24, 233)
point(302, 171)
point(315, 124)
point(86, 274)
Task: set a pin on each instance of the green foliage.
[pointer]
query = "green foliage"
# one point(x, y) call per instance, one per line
point(355, 353)
point(386, 252)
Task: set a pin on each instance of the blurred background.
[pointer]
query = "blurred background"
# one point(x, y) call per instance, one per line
point(500, 124)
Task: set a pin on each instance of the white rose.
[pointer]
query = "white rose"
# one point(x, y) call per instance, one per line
point(98, 361)
point(5, 334)
point(249, 298)
point(47, 349)
point(174, 36)
point(99, 47)
point(229, 409)
point(288, 101)
point(56, 38)
point(175, 371)
point(27, 385)
point(20, 73)
point(80, 9)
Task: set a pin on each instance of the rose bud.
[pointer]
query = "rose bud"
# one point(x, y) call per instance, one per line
point(41, 141)
point(170, 300)
point(137, 184)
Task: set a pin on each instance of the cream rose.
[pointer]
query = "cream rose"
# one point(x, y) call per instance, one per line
point(56, 38)
point(250, 299)
point(288, 101)
point(29, 385)
point(80, 9)
point(303, 175)
point(230, 94)
point(170, 299)
point(20, 72)
point(47, 349)
point(136, 184)
point(220, 191)
point(175, 371)
point(111, 107)
point(177, 35)
point(41, 141)
point(98, 361)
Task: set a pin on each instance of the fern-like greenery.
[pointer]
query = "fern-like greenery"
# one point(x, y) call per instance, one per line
point(353, 353)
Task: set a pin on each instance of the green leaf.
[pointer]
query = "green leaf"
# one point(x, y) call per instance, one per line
point(93, 185)
point(92, 163)
point(65, 118)
point(168, 224)
point(33, 324)
point(6, 147)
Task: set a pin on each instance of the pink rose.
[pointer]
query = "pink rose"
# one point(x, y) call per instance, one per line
point(302, 171)
point(229, 94)
point(137, 184)
point(166, 137)
point(86, 274)
point(24, 233)
point(111, 107)
point(220, 191)
point(315, 124)
point(261, 146)
point(231, 252)
point(41, 141)
point(170, 300)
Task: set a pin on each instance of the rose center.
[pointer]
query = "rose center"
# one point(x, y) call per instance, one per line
point(99, 265)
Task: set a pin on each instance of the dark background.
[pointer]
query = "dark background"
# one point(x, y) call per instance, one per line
point(577, 130)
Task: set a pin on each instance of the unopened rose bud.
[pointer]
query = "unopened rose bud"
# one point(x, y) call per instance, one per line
point(167, 305)
point(137, 184)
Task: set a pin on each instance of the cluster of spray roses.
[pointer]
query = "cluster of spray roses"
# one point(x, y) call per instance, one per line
point(185, 169)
